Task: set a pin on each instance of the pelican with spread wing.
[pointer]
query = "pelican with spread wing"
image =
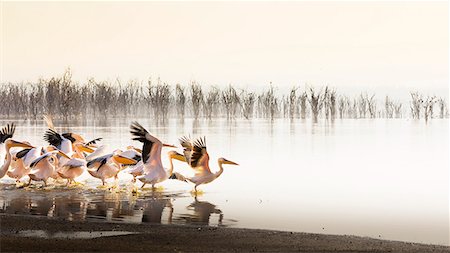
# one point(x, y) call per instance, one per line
point(153, 170)
point(197, 157)
point(6, 143)
point(108, 166)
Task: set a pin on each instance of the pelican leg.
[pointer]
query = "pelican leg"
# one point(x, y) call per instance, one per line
point(134, 179)
point(153, 187)
point(29, 182)
point(45, 183)
point(103, 182)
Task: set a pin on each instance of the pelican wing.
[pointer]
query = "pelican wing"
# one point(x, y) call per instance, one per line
point(48, 119)
point(23, 153)
point(100, 151)
point(199, 157)
point(93, 142)
point(139, 133)
point(186, 143)
point(98, 162)
point(41, 158)
point(132, 154)
point(53, 138)
point(7, 132)
point(75, 162)
point(69, 137)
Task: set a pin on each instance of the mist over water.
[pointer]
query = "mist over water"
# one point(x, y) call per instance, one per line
point(380, 178)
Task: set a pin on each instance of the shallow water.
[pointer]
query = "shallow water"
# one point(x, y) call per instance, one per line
point(385, 179)
point(71, 235)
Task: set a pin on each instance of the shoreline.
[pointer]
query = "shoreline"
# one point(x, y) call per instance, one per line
point(158, 237)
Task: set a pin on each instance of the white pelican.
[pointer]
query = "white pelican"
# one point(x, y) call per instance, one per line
point(153, 170)
point(6, 132)
point(45, 166)
point(72, 169)
point(108, 166)
point(197, 157)
point(138, 168)
point(6, 143)
point(21, 161)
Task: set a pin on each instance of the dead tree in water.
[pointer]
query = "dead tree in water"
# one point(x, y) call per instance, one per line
point(443, 111)
point(292, 102)
point(342, 106)
point(247, 102)
point(316, 102)
point(372, 106)
point(180, 100)
point(330, 103)
point(196, 99)
point(388, 108)
point(159, 98)
point(428, 107)
point(302, 101)
point(231, 101)
point(416, 105)
point(211, 102)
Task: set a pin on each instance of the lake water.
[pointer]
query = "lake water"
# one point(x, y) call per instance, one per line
point(385, 179)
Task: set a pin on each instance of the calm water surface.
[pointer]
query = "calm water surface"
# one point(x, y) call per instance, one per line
point(385, 179)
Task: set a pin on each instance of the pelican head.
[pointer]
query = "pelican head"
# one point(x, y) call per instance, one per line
point(74, 138)
point(175, 155)
point(169, 146)
point(225, 161)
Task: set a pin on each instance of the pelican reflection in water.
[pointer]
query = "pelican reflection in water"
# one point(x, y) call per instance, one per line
point(201, 212)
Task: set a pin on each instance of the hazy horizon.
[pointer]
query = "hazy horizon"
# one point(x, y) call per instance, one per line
point(352, 46)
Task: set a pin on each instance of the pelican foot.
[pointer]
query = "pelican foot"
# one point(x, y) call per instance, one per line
point(197, 193)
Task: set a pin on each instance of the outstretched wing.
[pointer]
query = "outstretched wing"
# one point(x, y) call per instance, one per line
point(139, 133)
point(48, 119)
point(94, 141)
point(199, 156)
point(186, 143)
point(7, 132)
point(53, 138)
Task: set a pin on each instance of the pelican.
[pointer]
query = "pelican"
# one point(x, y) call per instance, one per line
point(6, 143)
point(21, 161)
point(197, 157)
point(6, 132)
point(45, 166)
point(72, 169)
point(71, 144)
point(108, 166)
point(138, 168)
point(153, 170)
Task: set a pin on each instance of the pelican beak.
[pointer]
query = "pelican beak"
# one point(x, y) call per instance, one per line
point(179, 157)
point(169, 146)
point(137, 149)
point(63, 154)
point(124, 160)
point(85, 148)
point(229, 162)
point(20, 144)
point(78, 138)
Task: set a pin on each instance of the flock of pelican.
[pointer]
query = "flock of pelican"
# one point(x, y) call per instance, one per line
point(68, 155)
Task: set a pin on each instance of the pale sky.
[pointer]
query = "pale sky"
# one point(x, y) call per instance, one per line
point(342, 44)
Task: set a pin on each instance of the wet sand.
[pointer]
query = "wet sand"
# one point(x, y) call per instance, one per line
point(170, 238)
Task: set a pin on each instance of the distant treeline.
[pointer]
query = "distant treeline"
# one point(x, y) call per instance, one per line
point(63, 98)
